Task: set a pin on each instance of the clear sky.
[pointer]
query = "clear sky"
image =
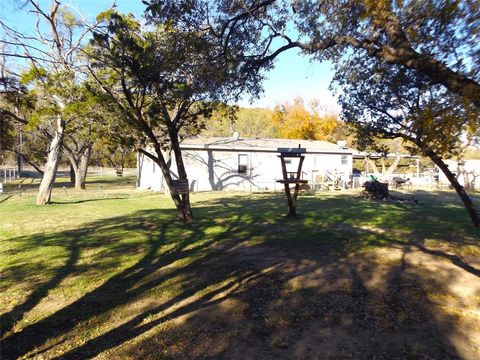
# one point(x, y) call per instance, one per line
point(294, 75)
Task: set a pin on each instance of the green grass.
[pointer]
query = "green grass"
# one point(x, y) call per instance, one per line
point(107, 263)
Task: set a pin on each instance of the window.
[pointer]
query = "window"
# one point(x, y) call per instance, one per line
point(153, 167)
point(242, 163)
point(344, 160)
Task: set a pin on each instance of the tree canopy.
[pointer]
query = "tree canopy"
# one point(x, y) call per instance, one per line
point(297, 121)
point(438, 39)
point(392, 101)
point(166, 79)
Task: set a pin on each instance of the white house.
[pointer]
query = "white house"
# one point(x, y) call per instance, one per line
point(247, 164)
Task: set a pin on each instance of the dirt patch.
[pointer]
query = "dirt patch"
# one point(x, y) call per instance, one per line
point(388, 304)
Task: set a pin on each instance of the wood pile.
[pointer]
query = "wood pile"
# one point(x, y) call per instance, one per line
point(376, 190)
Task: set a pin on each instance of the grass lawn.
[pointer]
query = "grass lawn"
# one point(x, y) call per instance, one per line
point(109, 272)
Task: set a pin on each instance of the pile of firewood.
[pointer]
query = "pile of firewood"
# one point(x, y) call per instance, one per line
point(376, 190)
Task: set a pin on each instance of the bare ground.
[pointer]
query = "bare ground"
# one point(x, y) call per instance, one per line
point(392, 303)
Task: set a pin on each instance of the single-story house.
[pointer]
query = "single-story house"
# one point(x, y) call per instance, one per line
point(221, 163)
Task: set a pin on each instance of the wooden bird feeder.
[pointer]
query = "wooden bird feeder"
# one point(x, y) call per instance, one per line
point(292, 177)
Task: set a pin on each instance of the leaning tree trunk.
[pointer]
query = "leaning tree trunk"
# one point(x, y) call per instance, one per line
point(388, 172)
point(50, 171)
point(467, 202)
point(182, 203)
point(185, 209)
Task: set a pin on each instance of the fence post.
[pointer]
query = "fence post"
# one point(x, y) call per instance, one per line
point(5, 175)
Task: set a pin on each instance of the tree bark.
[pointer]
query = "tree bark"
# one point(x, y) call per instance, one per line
point(72, 174)
point(79, 165)
point(50, 171)
point(469, 206)
point(401, 52)
point(461, 171)
point(373, 166)
point(83, 166)
point(185, 209)
point(386, 173)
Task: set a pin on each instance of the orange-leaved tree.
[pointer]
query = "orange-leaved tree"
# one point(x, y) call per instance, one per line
point(295, 120)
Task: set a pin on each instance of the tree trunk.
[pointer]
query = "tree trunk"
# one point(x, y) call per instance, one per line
point(83, 167)
point(72, 174)
point(461, 171)
point(373, 166)
point(402, 52)
point(78, 165)
point(50, 171)
point(185, 209)
point(388, 172)
point(472, 211)
point(182, 203)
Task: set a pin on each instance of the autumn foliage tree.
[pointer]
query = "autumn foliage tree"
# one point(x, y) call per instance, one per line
point(296, 121)
point(248, 122)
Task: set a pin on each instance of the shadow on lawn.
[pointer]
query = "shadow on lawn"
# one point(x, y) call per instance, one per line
point(298, 290)
point(87, 200)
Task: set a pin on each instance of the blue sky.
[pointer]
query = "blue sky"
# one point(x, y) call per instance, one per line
point(294, 75)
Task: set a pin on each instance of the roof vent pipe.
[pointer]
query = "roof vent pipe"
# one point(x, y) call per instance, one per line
point(342, 144)
point(236, 135)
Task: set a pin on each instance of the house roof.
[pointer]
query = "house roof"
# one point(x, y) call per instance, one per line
point(372, 155)
point(260, 145)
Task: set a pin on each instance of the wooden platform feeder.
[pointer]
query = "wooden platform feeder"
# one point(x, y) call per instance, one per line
point(292, 177)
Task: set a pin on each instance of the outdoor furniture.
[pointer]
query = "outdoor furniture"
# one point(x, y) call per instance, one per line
point(399, 182)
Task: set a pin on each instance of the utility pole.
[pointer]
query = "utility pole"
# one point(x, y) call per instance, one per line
point(20, 149)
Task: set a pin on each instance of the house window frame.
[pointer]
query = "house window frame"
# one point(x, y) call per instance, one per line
point(243, 167)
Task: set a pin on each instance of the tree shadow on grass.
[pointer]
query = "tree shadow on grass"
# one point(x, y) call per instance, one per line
point(5, 198)
point(86, 200)
point(246, 282)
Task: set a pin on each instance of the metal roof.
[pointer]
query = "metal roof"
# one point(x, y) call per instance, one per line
point(260, 145)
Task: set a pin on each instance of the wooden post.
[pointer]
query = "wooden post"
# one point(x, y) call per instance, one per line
point(297, 184)
point(290, 203)
point(286, 181)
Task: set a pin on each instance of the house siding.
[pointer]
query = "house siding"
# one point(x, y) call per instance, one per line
point(217, 169)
